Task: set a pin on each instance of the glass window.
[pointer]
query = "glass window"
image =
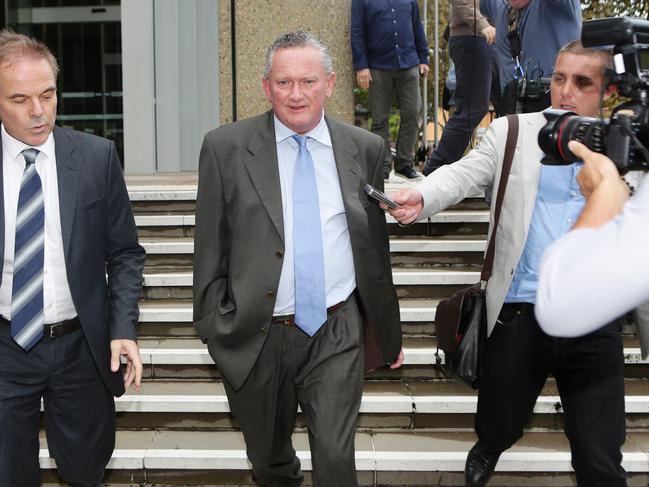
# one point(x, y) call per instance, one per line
point(85, 36)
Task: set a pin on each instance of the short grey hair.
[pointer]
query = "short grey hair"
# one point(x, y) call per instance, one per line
point(300, 38)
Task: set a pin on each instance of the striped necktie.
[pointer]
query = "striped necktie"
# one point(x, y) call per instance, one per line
point(308, 257)
point(27, 291)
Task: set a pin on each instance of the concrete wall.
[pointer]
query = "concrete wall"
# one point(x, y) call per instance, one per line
point(258, 23)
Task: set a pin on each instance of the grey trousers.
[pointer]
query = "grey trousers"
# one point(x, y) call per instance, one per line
point(404, 84)
point(324, 375)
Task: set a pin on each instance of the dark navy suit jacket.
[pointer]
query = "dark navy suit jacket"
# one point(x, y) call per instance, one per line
point(103, 259)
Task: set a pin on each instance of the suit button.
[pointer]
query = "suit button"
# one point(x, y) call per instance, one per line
point(263, 331)
point(270, 294)
point(279, 254)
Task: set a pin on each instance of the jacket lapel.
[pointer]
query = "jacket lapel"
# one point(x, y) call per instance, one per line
point(262, 166)
point(2, 213)
point(350, 177)
point(67, 170)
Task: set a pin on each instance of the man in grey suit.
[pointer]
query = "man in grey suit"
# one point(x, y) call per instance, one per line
point(293, 287)
point(540, 204)
point(71, 274)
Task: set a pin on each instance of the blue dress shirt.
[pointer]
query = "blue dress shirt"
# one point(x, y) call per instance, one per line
point(558, 205)
point(387, 34)
point(340, 277)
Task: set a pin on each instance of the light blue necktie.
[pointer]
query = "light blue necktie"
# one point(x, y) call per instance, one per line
point(310, 295)
point(27, 291)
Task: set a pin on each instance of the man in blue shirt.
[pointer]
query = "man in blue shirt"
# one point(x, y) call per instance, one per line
point(389, 51)
point(540, 204)
point(542, 26)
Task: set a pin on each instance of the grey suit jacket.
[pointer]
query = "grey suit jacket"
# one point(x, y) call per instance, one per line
point(641, 315)
point(103, 259)
point(239, 241)
point(480, 169)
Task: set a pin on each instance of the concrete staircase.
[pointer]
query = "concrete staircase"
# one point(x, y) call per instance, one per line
point(415, 426)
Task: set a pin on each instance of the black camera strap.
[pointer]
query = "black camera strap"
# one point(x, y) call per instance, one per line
point(510, 148)
point(513, 34)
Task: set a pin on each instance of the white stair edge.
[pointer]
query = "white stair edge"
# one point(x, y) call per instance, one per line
point(412, 356)
point(400, 277)
point(370, 403)
point(156, 403)
point(166, 315)
point(201, 356)
point(449, 216)
point(433, 245)
point(174, 220)
point(185, 315)
point(142, 194)
point(162, 246)
point(366, 460)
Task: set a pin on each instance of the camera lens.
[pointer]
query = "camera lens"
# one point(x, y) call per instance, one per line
point(561, 128)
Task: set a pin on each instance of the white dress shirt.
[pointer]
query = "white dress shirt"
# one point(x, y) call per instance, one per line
point(340, 278)
point(57, 300)
point(589, 277)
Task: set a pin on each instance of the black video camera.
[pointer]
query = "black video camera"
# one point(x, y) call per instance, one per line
point(525, 95)
point(625, 136)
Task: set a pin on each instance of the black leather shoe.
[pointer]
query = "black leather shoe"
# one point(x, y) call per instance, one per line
point(480, 464)
point(407, 172)
point(427, 170)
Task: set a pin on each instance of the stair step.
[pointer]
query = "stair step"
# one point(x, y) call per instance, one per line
point(432, 397)
point(412, 310)
point(448, 216)
point(417, 351)
point(384, 451)
point(191, 351)
point(162, 193)
point(401, 277)
point(140, 190)
point(182, 246)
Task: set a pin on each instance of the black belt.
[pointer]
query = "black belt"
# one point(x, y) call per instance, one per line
point(55, 330)
point(289, 320)
point(520, 307)
point(509, 310)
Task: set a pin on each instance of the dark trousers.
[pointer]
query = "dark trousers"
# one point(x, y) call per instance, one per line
point(79, 411)
point(589, 371)
point(404, 84)
point(322, 374)
point(476, 72)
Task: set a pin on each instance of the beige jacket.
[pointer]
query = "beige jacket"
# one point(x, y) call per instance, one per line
point(478, 170)
point(465, 19)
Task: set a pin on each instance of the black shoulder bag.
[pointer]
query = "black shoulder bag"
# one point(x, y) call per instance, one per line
point(461, 320)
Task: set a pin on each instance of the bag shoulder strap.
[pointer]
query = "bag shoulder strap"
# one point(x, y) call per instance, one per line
point(510, 146)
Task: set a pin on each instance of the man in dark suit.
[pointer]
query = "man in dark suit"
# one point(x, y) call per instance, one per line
point(292, 280)
point(71, 274)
